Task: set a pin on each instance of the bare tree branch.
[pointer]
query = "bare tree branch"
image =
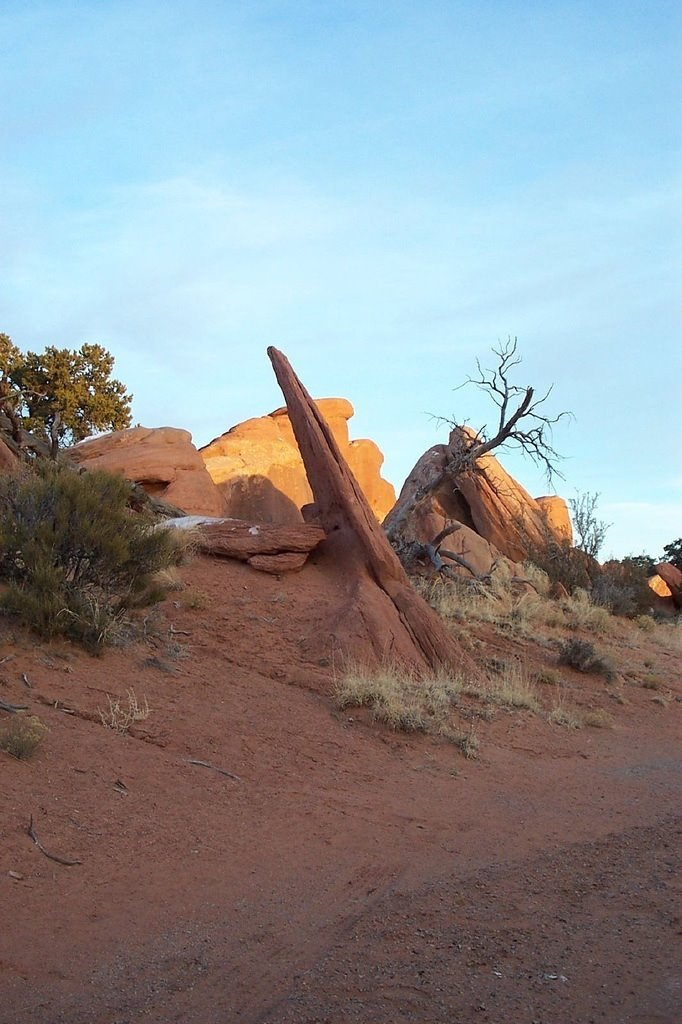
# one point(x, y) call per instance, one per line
point(520, 423)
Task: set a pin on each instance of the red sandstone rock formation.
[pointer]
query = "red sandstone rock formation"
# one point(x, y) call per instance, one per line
point(555, 511)
point(258, 468)
point(268, 548)
point(671, 578)
point(163, 461)
point(487, 500)
point(380, 602)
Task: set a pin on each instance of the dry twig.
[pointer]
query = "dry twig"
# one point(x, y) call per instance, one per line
point(50, 856)
point(223, 771)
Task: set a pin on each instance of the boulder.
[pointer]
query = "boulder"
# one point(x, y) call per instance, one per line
point(486, 499)
point(671, 576)
point(258, 467)
point(380, 614)
point(162, 460)
point(266, 547)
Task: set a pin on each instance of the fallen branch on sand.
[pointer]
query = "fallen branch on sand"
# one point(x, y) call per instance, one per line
point(223, 771)
point(4, 706)
point(51, 856)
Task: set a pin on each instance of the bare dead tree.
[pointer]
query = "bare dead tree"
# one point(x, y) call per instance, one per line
point(521, 423)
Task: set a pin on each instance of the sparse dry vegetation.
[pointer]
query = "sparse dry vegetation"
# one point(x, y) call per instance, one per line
point(401, 701)
point(513, 689)
point(598, 719)
point(569, 718)
point(21, 735)
point(124, 712)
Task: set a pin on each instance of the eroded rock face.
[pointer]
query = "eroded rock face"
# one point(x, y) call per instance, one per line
point(258, 468)
point(381, 612)
point(487, 500)
point(162, 460)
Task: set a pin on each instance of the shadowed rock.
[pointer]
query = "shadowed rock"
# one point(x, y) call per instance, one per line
point(380, 605)
point(672, 578)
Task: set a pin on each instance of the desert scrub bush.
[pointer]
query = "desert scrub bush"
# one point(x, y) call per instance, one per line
point(74, 558)
point(581, 613)
point(545, 677)
point(398, 699)
point(122, 713)
point(193, 599)
point(468, 743)
point(581, 655)
point(567, 717)
point(646, 623)
point(21, 735)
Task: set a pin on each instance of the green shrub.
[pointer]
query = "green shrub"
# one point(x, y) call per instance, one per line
point(20, 735)
point(74, 557)
point(581, 655)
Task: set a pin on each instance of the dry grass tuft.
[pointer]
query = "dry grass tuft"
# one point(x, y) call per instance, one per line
point(468, 743)
point(193, 599)
point(399, 700)
point(669, 635)
point(122, 713)
point(513, 689)
point(598, 719)
point(546, 677)
point(21, 736)
point(582, 614)
point(569, 718)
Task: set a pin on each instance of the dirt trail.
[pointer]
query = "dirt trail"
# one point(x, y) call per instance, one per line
point(351, 875)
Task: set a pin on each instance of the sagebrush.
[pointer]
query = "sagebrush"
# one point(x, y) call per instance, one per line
point(74, 557)
point(21, 735)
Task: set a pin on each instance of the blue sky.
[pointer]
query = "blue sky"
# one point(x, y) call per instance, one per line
point(383, 191)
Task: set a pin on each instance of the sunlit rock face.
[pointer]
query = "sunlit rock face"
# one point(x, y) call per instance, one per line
point(162, 460)
point(258, 469)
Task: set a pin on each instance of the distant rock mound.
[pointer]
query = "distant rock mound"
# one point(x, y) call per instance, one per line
point(162, 460)
point(498, 516)
point(557, 516)
point(259, 471)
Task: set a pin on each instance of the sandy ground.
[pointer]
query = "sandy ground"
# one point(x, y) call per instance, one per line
point(347, 873)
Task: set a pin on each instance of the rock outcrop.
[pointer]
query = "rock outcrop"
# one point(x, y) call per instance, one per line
point(258, 468)
point(491, 506)
point(379, 609)
point(274, 549)
point(162, 460)
point(667, 582)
